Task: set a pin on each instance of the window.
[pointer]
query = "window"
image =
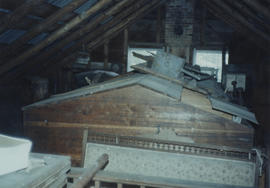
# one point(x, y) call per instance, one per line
point(210, 61)
point(134, 60)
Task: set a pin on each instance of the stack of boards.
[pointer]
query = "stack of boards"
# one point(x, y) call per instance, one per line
point(47, 171)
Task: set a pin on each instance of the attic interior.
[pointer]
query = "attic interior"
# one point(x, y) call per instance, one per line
point(134, 93)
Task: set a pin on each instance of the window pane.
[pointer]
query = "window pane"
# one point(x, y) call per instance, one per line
point(210, 59)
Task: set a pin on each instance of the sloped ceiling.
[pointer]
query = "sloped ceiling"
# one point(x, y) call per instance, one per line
point(35, 34)
point(249, 17)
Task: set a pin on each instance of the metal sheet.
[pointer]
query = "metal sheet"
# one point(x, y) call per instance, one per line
point(38, 38)
point(233, 109)
point(174, 166)
point(11, 35)
point(163, 86)
point(168, 64)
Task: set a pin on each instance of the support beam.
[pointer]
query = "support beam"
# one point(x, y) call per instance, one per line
point(17, 15)
point(106, 54)
point(122, 25)
point(219, 12)
point(259, 7)
point(202, 25)
point(237, 16)
point(17, 44)
point(247, 12)
point(54, 36)
point(118, 22)
point(91, 26)
point(142, 8)
point(159, 25)
point(125, 51)
point(119, 185)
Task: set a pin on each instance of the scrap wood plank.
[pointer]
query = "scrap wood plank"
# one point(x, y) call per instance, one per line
point(143, 68)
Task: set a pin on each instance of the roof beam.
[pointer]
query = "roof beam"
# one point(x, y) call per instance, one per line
point(236, 24)
point(43, 57)
point(93, 36)
point(258, 7)
point(17, 15)
point(54, 36)
point(243, 8)
point(16, 45)
point(114, 31)
point(236, 15)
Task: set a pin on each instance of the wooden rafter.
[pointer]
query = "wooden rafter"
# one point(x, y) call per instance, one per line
point(16, 45)
point(258, 7)
point(93, 36)
point(236, 15)
point(17, 15)
point(54, 36)
point(247, 12)
point(43, 57)
point(235, 23)
point(114, 31)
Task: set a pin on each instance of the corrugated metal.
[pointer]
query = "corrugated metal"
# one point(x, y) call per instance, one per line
point(106, 20)
point(85, 6)
point(4, 10)
point(59, 3)
point(62, 3)
point(38, 38)
point(11, 35)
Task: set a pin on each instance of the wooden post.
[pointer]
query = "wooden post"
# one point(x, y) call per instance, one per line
point(159, 25)
point(54, 36)
point(202, 26)
point(106, 55)
point(119, 185)
point(125, 51)
point(97, 184)
point(224, 50)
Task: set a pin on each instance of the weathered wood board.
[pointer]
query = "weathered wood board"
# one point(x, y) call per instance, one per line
point(129, 111)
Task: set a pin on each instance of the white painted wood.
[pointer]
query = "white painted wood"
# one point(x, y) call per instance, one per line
point(14, 154)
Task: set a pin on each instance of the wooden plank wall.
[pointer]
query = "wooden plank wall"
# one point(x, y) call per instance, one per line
point(129, 111)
